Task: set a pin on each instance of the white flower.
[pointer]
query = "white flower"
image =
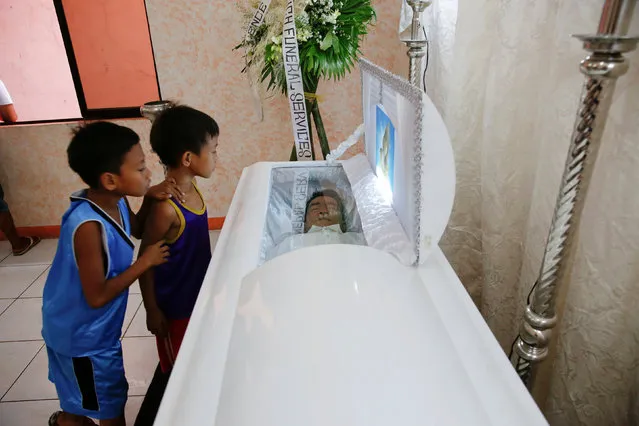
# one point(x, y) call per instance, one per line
point(277, 40)
point(303, 34)
point(303, 18)
point(331, 19)
point(334, 16)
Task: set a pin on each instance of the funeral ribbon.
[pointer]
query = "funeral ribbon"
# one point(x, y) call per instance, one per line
point(258, 18)
point(301, 131)
point(293, 72)
point(298, 202)
point(297, 105)
point(295, 86)
point(254, 25)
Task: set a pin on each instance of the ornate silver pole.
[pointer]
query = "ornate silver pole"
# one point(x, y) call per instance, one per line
point(602, 67)
point(417, 42)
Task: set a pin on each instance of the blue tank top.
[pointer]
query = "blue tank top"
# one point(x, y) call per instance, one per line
point(178, 282)
point(69, 325)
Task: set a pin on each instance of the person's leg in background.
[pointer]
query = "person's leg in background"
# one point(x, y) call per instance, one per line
point(19, 245)
point(167, 350)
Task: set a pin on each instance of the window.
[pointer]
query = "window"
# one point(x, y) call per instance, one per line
point(71, 59)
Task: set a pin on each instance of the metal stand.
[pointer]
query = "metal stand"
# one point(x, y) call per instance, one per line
point(151, 110)
point(602, 67)
point(417, 42)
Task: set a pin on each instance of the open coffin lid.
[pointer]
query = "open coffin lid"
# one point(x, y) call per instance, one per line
point(408, 149)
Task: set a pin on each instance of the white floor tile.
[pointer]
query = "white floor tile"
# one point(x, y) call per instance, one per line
point(42, 254)
point(138, 325)
point(15, 357)
point(22, 321)
point(36, 289)
point(34, 382)
point(4, 304)
point(28, 413)
point(132, 409)
point(140, 361)
point(5, 250)
point(134, 302)
point(135, 288)
point(16, 279)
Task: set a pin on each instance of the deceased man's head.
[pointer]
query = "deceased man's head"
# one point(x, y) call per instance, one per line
point(324, 208)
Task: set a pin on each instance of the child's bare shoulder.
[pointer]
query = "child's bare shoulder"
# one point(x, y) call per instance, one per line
point(163, 212)
point(161, 223)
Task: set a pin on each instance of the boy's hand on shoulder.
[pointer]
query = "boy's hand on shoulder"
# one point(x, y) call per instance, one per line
point(156, 322)
point(156, 254)
point(166, 190)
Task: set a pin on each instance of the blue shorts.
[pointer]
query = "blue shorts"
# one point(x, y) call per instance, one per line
point(4, 207)
point(92, 386)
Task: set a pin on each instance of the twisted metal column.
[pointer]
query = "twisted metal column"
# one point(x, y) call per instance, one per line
point(417, 42)
point(602, 67)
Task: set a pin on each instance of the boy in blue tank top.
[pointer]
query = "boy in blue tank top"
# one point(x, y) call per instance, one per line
point(185, 139)
point(86, 291)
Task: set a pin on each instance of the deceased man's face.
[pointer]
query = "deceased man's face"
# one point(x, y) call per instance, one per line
point(322, 211)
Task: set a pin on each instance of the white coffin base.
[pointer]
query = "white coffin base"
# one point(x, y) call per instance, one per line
point(335, 335)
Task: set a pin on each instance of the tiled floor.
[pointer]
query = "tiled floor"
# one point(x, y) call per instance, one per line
point(27, 398)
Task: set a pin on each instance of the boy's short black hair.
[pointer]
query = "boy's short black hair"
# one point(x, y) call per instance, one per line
point(99, 148)
point(181, 129)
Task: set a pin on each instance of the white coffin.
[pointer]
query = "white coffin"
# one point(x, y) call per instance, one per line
point(341, 334)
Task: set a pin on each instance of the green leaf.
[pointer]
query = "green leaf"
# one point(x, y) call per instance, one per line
point(327, 42)
point(337, 45)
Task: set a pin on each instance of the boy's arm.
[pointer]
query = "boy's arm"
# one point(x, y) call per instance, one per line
point(8, 113)
point(161, 219)
point(89, 255)
point(138, 219)
point(161, 192)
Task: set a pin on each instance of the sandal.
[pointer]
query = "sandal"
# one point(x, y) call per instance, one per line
point(53, 420)
point(33, 241)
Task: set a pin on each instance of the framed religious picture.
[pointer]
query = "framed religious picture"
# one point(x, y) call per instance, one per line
point(384, 148)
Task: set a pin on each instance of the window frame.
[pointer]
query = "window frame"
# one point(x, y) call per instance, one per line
point(86, 113)
point(98, 113)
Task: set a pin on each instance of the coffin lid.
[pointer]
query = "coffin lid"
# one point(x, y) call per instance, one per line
point(423, 165)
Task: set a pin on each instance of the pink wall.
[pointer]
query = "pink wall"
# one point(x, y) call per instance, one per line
point(193, 42)
point(113, 51)
point(37, 77)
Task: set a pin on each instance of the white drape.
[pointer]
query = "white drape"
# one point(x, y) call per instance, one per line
point(505, 77)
